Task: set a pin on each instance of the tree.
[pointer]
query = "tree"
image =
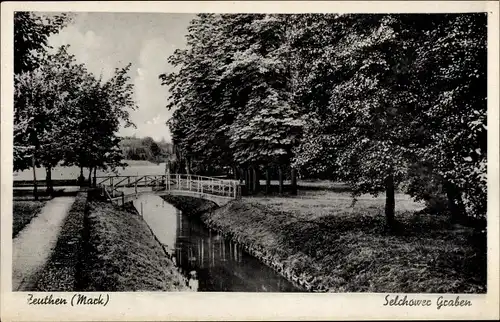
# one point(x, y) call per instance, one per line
point(231, 86)
point(389, 104)
point(43, 98)
point(102, 106)
point(31, 32)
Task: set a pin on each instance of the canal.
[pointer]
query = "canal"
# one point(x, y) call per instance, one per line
point(208, 260)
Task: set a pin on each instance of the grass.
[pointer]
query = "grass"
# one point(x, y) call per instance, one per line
point(123, 255)
point(23, 212)
point(320, 239)
point(60, 274)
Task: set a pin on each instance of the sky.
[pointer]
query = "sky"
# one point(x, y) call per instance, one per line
point(105, 41)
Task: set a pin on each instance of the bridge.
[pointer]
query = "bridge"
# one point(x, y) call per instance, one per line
point(122, 189)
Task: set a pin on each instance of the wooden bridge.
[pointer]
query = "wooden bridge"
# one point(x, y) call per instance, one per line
point(122, 189)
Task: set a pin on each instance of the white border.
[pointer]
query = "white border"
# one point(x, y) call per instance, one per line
point(248, 306)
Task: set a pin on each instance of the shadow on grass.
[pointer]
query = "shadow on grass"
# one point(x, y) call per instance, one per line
point(26, 195)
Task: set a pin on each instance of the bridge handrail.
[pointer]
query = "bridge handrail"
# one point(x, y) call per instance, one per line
point(194, 177)
point(171, 174)
point(226, 188)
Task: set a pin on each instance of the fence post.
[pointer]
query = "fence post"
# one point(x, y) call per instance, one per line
point(123, 199)
point(112, 188)
point(135, 187)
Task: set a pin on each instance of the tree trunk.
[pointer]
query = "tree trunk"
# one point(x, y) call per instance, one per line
point(390, 202)
point(455, 203)
point(242, 175)
point(35, 188)
point(256, 183)
point(245, 178)
point(294, 181)
point(268, 180)
point(81, 178)
point(280, 174)
point(90, 176)
point(249, 181)
point(48, 179)
point(95, 177)
point(188, 166)
point(235, 172)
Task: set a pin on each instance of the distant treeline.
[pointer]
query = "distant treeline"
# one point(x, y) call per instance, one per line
point(145, 149)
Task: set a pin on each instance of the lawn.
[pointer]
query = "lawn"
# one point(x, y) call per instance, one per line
point(335, 246)
point(22, 213)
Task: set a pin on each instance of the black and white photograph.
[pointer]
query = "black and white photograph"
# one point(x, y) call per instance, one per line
point(251, 152)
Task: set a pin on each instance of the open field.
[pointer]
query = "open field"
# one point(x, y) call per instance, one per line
point(72, 173)
point(23, 212)
point(318, 203)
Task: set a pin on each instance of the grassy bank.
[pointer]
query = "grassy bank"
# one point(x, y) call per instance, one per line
point(22, 213)
point(325, 244)
point(121, 253)
point(60, 274)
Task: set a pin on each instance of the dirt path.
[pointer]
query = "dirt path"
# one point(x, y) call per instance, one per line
point(34, 244)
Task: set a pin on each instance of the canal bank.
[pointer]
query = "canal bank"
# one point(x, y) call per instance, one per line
point(331, 246)
point(121, 253)
point(205, 257)
point(250, 241)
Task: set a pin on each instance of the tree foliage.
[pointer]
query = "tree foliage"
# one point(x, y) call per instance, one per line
point(31, 33)
point(367, 99)
point(62, 112)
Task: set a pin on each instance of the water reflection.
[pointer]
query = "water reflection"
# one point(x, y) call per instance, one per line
point(209, 262)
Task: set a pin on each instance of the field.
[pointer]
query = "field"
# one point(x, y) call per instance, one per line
point(72, 173)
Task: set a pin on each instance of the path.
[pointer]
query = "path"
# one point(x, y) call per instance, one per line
point(34, 244)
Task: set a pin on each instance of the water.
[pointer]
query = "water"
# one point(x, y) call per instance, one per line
point(210, 262)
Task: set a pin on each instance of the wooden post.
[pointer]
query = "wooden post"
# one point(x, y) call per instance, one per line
point(123, 199)
point(135, 187)
point(112, 187)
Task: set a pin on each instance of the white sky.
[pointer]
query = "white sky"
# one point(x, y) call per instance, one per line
point(104, 41)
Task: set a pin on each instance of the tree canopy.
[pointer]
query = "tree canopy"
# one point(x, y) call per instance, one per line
point(62, 112)
point(366, 99)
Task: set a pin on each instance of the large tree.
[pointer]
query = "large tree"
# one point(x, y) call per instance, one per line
point(232, 93)
point(103, 106)
point(392, 102)
point(43, 99)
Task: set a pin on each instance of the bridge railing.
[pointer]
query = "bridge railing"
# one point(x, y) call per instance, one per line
point(204, 185)
point(111, 185)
